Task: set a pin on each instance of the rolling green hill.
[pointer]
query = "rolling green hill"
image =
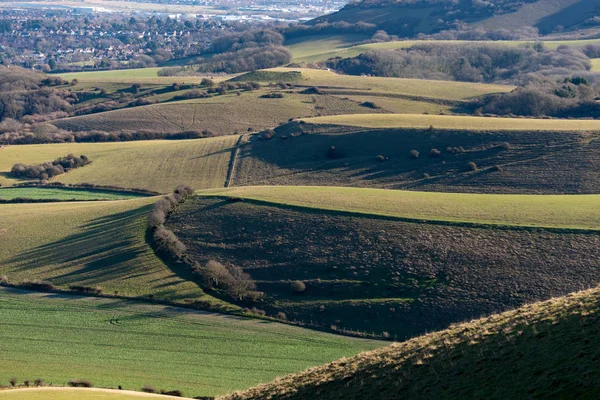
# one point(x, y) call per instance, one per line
point(507, 155)
point(63, 194)
point(541, 350)
point(407, 19)
point(366, 271)
point(113, 342)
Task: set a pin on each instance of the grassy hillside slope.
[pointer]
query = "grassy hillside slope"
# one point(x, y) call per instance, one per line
point(87, 243)
point(552, 211)
point(135, 75)
point(410, 19)
point(457, 122)
point(375, 274)
point(113, 342)
point(157, 165)
point(543, 350)
point(504, 160)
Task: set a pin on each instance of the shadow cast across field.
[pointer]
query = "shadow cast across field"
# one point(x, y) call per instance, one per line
point(110, 248)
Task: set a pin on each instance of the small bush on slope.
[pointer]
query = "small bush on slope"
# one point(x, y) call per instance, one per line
point(543, 350)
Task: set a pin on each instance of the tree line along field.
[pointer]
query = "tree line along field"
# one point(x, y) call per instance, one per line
point(88, 243)
point(156, 165)
point(375, 274)
point(424, 159)
point(63, 194)
point(549, 346)
point(536, 211)
point(113, 342)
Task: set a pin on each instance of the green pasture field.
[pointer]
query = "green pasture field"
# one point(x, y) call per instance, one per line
point(551, 211)
point(157, 165)
point(57, 193)
point(596, 64)
point(457, 122)
point(366, 85)
point(88, 243)
point(135, 75)
point(113, 342)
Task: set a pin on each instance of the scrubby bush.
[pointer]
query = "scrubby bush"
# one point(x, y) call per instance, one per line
point(13, 382)
point(39, 382)
point(276, 95)
point(434, 153)
point(281, 315)
point(413, 154)
point(176, 393)
point(166, 242)
point(50, 168)
point(80, 383)
point(96, 290)
point(472, 166)
point(44, 286)
point(369, 104)
point(380, 158)
point(238, 284)
point(148, 389)
point(298, 286)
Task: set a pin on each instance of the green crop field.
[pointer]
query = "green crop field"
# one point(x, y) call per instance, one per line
point(401, 106)
point(57, 193)
point(59, 393)
point(555, 211)
point(457, 122)
point(157, 165)
point(114, 342)
point(88, 243)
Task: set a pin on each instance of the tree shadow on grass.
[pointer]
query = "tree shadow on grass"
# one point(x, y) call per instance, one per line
point(110, 248)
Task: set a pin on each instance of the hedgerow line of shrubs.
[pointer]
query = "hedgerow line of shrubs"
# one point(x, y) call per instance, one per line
point(49, 169)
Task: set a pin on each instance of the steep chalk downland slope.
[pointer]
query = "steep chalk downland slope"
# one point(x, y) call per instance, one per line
point(544, 350)
point(430, 16)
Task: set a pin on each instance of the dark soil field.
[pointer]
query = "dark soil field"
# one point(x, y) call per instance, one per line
point(505, 161)
point(382, 275)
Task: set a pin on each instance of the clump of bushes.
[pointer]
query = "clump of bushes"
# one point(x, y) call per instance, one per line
point(237, 283)
point(435, 153)
point(43, 286)
point(413, 154)
point(95, 290)
point(369, 104)
point(50, 168)
point(80, 383)
point(164, 239)
point(276, 95)
point(380, 158)
point(472, 166)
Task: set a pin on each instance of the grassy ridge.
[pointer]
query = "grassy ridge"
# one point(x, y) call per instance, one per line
point(65, 337)
point(543, 349)
point(157, 165)
point(88, 243)
point(135, 75)
point(409, 87)
point(56, 193)
point(552, 211)
point(456, 122)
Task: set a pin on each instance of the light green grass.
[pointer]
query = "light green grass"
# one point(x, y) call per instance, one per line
point(114, 342)
point(596, 64)
point(456, 122)
point(409, 87)
point(157, 165)
point(401, 106)
point(88, 243)
point(324, 49)
point(55, 193)
point(135, 75)
point(552, 211)
point(58, 393)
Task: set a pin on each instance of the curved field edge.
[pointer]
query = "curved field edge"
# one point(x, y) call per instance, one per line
point(60, 393)
point(455, 122)
point(542, 343)
point(569, 212)
point(89, 243)
point(132, 344)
